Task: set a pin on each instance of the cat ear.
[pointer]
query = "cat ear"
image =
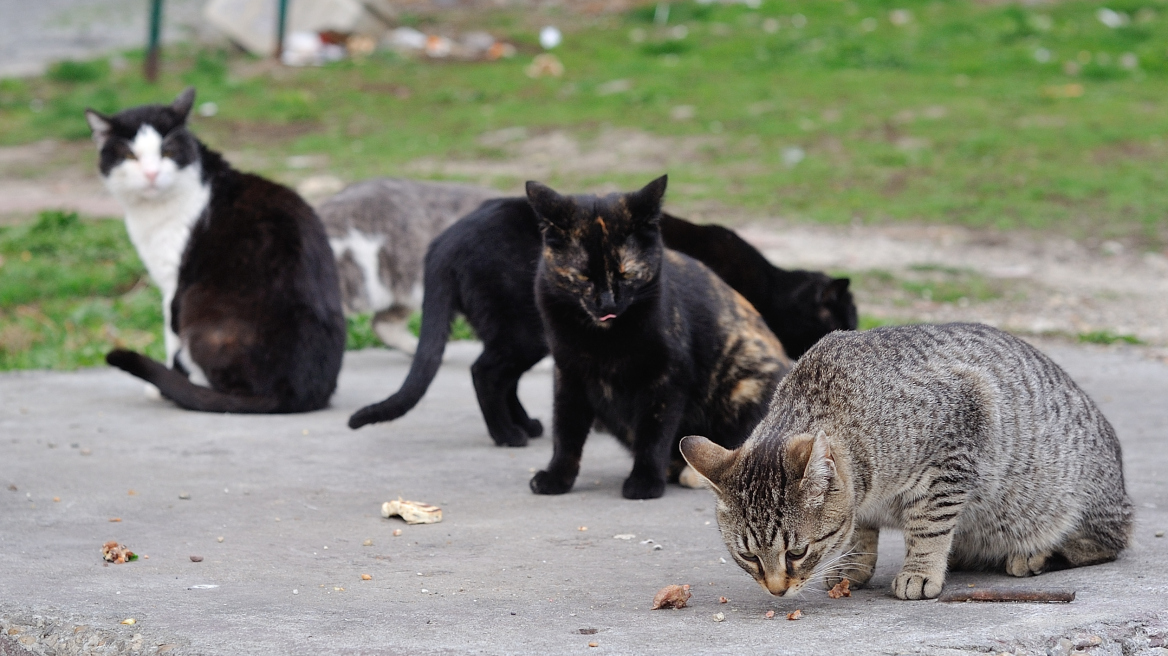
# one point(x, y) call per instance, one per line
point(819, 470)
point(646, 203)
point(183, 103)
point(549, 205)
point(99, 124)
point(834, 291)
point(708, 459)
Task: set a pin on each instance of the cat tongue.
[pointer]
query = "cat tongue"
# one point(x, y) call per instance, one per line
point(607, 317)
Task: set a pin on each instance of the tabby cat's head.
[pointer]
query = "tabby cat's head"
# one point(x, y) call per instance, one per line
point(146, 151)
point(783, 510)
point(602, 253)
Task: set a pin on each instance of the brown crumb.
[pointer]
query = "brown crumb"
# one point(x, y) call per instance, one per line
point(115, 519)
point(112, 552)
point(396, 532)
point(770, 615)
point(795, 615)
point(132, 493)
point(723, 600)
point(671, 596)
point(841, 589)
point(56, 499)
point(594, 644)
point(366, 577)
point(581, 528)
point(196, 559)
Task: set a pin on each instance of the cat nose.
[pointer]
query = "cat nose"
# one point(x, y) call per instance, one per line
point(150, 175)
point(607, 302)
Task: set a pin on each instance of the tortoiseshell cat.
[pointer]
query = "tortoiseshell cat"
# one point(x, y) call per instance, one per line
point(972, 441)
point(649, 343)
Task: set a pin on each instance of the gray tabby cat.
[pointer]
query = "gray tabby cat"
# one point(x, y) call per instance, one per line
point(973, 442)
point(379, 230)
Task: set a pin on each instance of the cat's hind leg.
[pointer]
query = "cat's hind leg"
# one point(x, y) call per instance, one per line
point(496, 378)
point(392, 328)
point(858, 563)
point(531, 354)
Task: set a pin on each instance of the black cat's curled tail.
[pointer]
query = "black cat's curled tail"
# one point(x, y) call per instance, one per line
point(438, 307)
point(185, 394)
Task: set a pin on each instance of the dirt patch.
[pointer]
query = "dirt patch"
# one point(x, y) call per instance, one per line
point(51, 175)
point(558, 154)
point(1015, 281)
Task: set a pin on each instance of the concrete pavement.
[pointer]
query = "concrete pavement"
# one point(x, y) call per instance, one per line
point(295, 497)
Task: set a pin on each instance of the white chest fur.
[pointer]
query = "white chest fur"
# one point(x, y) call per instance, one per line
point(162, 204)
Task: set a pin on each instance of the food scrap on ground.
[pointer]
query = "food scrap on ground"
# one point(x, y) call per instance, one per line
point(396, 532)
point(115, 519)
point(794, 615)
point(117, 553)
point(413, 512)
point(366, 577)
point(770, 615)
point(367, 543)
point(841, 589)
point(129, 620)
point(671, 596)
point(718, 617)
point(196, 559)
point(723, 600)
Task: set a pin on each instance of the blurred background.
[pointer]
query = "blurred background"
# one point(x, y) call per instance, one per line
point(960, 160)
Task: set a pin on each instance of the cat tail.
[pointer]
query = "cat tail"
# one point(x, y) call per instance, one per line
point(185, 394)
point(438, 309)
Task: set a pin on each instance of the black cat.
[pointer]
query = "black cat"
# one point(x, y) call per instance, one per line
point(250, 293)
point(799, 306)
point(649, 343)
point(484, 267)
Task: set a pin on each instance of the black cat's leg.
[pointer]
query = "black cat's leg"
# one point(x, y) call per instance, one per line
point(572, 417)
point(533, 427)
point(495, 380)
point(532, 355)
point(657, 428)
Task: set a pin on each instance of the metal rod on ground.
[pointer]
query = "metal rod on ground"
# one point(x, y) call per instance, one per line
point(281, 25)
point(152, 48)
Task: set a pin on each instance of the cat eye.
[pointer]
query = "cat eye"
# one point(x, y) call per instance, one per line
point(750, 558)
point(796, 553)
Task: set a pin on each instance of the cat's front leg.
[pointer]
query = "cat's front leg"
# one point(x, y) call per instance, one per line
point(859, 561)
point(657, 428)
point(928, 533)
point(571, 421)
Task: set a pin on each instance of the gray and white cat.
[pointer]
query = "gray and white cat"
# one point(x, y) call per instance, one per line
point(975, 444)
point(379, 230)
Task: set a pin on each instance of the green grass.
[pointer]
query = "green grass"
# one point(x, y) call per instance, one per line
point(948, 118)
point(1107, 338)
point(69, 291)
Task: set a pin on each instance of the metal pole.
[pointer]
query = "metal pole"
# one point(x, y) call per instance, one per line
point(152, 48)
point(281, 24)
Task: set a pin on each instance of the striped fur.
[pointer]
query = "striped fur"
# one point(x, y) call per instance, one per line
point(975, 444)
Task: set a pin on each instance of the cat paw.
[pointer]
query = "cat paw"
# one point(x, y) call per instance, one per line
point(639, 488)
point(916, 585)
point(512, 438)
point(533, 428)
point(547, 483)
point(1026, 565)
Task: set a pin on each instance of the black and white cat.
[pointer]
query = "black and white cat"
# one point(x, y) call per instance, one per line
point(250, 296)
